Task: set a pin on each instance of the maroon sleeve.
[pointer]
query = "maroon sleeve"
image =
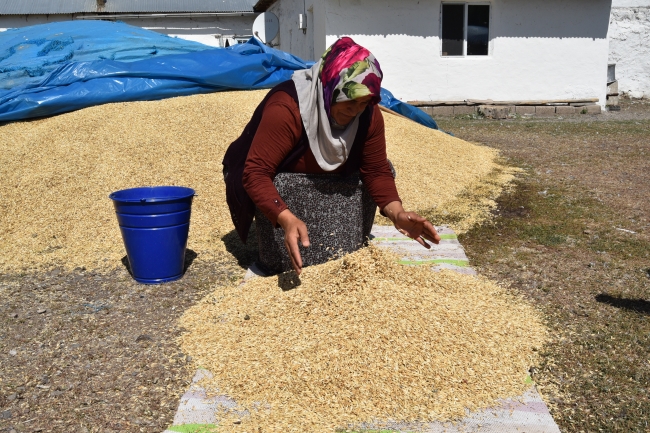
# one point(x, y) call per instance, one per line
point(375, 171)
point(278, 132)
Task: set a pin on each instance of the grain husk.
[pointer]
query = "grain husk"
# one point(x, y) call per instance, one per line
point(58, 172)
point(361, 339)
point(445, 179)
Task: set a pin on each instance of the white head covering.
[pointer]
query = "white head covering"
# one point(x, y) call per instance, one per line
point(331, 147)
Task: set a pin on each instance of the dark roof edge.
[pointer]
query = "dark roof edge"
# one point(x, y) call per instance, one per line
point(59, 7)
point(126, 13)
point(263, 5)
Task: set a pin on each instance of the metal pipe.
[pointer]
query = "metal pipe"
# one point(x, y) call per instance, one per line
point(166, 15)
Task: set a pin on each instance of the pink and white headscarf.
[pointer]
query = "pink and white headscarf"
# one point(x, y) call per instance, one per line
point(349, 71)
point(346, 71)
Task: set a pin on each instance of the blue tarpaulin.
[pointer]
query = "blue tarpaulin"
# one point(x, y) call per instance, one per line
point(407, 110)
point(77, 85)
point(140, 68)
point(27, 54)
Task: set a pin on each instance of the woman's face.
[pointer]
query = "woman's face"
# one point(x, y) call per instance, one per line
point(344, 112)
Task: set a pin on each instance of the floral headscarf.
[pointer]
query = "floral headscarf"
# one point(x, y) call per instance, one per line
point(349, 71)
point(346, 71)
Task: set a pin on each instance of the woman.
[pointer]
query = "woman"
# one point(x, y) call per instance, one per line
point(324, 120)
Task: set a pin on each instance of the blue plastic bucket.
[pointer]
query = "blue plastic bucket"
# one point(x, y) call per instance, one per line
point(154, 222)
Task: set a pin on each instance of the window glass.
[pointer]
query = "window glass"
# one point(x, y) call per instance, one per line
point(453, 23)
point(478, 26)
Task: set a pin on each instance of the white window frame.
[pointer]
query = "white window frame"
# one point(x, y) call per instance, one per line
point(466, 4)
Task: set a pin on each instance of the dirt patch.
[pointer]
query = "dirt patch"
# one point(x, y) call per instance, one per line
point(84, 351)
point(574, 235)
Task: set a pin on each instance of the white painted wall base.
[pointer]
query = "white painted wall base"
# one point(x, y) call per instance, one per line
point(16, 21)
point(201, 30)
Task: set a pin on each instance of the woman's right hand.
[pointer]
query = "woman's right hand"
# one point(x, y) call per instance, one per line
point(294, 230)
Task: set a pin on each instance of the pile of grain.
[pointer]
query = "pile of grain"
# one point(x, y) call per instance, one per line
point(362, 339)
point(443, 178)
point(57, 174)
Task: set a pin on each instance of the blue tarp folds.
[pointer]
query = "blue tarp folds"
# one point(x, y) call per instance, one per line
point(126, 63)
point(407, 110)
point(82, 84)
point(28, 54)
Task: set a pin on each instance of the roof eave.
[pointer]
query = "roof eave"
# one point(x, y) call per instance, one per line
point(263, 5)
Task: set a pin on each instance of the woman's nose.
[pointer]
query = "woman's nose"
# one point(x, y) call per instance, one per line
point(358, 107)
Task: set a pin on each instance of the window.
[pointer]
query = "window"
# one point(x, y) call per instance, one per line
point(465, 29)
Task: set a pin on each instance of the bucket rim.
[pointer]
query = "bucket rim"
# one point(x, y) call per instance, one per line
point(188, 192)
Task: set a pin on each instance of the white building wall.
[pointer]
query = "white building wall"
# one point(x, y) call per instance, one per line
point(539, 49)
point(15, 21)
point(308, 44)
point(198, 29)
point(201, 30)
point(629, 46)
point(630, 3)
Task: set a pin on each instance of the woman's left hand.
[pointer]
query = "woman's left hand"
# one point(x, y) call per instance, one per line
point(411, 224)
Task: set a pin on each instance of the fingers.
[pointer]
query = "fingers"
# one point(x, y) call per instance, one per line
point(291, 243)
point(430, 233)
point(413, 217)
point(296, 232)
point(409, 230)
point(302, 234)
point(419, 238)
point(423, 243)
point(419, 229)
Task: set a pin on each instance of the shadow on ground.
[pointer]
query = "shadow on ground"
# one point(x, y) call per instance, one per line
point(190, 256)
point(245, 253)
point(639, 305)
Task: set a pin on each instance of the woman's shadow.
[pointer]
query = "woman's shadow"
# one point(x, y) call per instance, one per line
point(247, 256)
point(245, 253)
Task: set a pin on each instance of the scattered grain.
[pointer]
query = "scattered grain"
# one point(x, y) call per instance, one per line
point(448, 180)
point(362, 339)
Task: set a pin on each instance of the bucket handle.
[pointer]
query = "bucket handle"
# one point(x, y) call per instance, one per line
point(154, 199)
point(151, 199)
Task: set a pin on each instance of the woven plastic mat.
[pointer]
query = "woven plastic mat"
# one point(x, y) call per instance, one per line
point(197, 412)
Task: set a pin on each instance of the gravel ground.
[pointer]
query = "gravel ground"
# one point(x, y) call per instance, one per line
point(574, 236)
point(88, 352)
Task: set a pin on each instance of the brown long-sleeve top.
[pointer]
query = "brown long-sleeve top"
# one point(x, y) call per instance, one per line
point(280, 130)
